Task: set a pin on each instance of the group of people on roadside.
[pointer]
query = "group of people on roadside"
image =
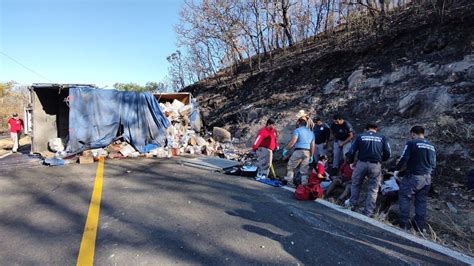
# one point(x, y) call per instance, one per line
point(355, 158)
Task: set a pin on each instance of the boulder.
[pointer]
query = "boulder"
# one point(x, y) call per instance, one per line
point(425, 103)
point(401, 74)
point(470, 73)
point(356, 79)
point(221, 135)
point(460, 66)
point(426, 69)
point(332, 86)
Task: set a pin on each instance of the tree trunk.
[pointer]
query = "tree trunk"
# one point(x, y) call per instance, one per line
point(286, 25)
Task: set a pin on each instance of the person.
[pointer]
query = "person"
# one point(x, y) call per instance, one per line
point(319, 171)
point(419, 159)
point(344, 180)
point(309, 123)
point(318, 174)
point(264, 145)
point(15, 125)
point(372, 148)
point(322, 134)
point(343, 133)
point(303, 141)
point(389, 190)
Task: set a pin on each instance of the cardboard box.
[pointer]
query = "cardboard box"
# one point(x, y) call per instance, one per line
point(86, 159)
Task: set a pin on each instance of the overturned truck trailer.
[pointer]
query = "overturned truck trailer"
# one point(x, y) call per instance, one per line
point(50, 113)
point(85, 117)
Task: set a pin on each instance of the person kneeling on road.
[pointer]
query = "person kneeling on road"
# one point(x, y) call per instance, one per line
point(265, 143)
point(372, 149)
point(303, 141)
point(419, 157)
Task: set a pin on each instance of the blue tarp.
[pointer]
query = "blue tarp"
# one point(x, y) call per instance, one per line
point(97, 115)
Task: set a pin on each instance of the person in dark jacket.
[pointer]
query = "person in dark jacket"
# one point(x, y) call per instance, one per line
point(372, 149)
point(343, 133)
point(265, 143)
point(322, 134)
point(419, 158)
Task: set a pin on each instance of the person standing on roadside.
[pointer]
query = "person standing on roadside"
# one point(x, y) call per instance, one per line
point(343, 133)
point(265, 143)
point(15, 126)
point(371, 148)
point(322, 134)
point(419, 158)
point(303, 141)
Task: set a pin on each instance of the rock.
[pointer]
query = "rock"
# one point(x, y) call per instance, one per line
point(401, 74)
point(452, 208)
point(332, 86)
point(452, 78)
point(221, 135)
point(460, 66)
point(470, 73)
point(356, 79)
point(254, 114)
point(427, 69)
point(371, 83)
point(425, 103)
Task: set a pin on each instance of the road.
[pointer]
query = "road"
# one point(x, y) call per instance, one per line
point(159, 212)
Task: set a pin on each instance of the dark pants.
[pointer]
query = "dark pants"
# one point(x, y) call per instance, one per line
point(373, 171)
point(387, 200)
point(416, 186)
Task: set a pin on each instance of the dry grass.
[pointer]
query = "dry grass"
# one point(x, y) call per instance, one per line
point(455, 129)
point(8, 143)
point(12, 102)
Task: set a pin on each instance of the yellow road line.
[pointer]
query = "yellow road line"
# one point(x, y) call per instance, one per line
point(86, 251)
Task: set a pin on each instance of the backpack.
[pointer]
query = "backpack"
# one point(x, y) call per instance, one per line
point(311, 191)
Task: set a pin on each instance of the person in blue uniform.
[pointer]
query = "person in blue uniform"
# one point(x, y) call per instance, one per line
point(372, 148)
point(419, 159)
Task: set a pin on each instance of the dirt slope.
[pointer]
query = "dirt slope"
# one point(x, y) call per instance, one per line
point(420, 71)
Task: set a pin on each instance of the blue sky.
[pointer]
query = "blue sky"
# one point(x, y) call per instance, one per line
point(87, 41)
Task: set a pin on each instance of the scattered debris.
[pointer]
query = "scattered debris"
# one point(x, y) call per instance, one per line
point(452, 208)
point(86, 159)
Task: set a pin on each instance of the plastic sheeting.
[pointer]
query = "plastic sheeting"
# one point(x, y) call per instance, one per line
point(97, 115)
point(195, 117)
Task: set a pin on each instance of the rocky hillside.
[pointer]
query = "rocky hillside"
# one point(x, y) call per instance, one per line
point(420, 71)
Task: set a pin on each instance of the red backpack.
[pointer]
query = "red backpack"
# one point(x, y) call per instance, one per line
point(310, 191)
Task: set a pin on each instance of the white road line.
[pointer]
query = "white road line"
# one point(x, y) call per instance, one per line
point(426, 243)
point(6, 155)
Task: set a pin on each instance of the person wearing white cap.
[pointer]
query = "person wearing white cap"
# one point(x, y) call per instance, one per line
point(303, 115)
point(15, 125)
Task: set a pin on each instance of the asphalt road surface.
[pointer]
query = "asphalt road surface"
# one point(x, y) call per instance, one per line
point(159, 212)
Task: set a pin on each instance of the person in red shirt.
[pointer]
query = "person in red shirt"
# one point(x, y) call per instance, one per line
point(15, 125)
point(265, 143)
point(345, 181)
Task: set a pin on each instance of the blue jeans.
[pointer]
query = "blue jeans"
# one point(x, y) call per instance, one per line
point(416, 186)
